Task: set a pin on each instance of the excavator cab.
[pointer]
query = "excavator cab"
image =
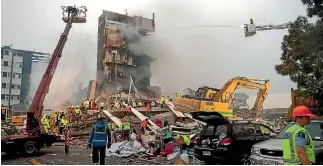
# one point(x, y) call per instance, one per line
point(250, 29)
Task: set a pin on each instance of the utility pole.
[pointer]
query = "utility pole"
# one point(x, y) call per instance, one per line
point(11, 75)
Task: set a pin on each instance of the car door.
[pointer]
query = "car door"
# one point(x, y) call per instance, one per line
point(246, 135)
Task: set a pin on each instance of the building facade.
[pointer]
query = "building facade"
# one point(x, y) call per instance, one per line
point(115, 61)
point(18, 64)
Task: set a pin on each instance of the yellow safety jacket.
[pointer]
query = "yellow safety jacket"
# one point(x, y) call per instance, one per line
point(101, 104)
point(162, 100)
point(46, 124)
point(77, 110)
point(64, 122)
point(126, 126)
point(290, 156)
point(187, 140)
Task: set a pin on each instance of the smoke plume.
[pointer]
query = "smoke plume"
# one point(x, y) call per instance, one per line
point(76, 66)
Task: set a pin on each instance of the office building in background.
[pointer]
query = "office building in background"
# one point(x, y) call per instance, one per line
point(21, 71)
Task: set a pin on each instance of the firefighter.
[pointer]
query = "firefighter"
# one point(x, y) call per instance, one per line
point(99, 139)
point(148, 109)
point(87, 104)
point(101, 105)
point(64, 123)
point(45, 120)
point(125, 129)
point(77, 113)
point(159, 122)
point(143, 125)
point(298, 146)
point(162, 102)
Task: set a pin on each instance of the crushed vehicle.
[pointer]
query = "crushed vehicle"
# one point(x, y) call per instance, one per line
point(270, 152)
point(228, 141)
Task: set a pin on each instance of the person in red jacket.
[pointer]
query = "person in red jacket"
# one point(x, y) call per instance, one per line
point(159, 123)
point(128, 109)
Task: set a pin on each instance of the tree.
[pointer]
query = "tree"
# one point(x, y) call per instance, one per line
point(314, 8)
point(302, 57)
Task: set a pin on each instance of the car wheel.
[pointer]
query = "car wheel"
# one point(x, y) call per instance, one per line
point(245, 159)
point(29, 148)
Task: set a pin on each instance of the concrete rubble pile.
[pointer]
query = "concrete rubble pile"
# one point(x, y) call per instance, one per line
point(8, 129)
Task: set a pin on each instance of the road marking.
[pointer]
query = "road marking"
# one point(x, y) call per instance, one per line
point(35, 162)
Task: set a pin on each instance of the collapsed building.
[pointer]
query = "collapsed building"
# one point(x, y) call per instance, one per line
point(115, 60)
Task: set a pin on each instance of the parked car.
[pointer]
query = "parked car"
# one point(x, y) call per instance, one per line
point(227, 141)
point(270, 152)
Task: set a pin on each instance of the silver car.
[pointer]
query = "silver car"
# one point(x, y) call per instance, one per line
point(270, 152)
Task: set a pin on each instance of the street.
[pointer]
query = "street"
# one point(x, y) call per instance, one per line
point(77, 156)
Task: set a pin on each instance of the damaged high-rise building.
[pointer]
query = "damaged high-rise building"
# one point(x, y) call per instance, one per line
point(115, 61)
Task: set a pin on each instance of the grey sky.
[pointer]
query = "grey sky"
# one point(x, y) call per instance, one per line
point(188, 57)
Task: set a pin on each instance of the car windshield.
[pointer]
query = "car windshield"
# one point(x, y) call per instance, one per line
point(313, 128)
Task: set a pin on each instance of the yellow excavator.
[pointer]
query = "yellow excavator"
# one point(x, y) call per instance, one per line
point(221, 100)
point(203, 93)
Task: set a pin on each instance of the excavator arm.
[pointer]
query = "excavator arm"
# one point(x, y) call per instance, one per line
point(225, 95)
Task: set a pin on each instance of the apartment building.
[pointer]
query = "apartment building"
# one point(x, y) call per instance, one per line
point(115, 61)
point(11, 66)
point(19, 64)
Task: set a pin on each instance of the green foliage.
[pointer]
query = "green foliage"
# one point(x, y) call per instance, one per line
point(302, 57)
point(314, 8)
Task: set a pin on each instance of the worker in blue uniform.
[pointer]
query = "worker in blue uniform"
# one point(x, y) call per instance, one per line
point(99, 139)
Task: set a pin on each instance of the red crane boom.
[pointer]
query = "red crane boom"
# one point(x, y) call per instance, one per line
point(74, 15)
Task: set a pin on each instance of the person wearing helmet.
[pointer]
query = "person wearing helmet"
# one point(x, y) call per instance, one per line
point(77, 113)
point(99, 139)
point(298, 148)
point(125, 129)
point(162, 102)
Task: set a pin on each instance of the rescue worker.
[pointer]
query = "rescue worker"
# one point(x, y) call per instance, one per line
point(87, 104)
point(45, 120)
point(158, 122)
point(139, 103)
point(77, 113)
point(148, 109)
point(64, 123)
point(99, 138)
point(162, 102)
point(101, 105)
point(298, 146)
point(186, 140)
point(179, 94)
point(125, 129)
point(143, 125)
point(128, 109)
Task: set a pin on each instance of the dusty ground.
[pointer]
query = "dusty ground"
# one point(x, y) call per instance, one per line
point(77, 156)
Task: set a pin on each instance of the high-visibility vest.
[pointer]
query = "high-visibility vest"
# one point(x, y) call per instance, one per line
point(162, 100)
point(101, 104)
point(77, 110)
point(100, 135)
point(64, 122)
point(290, 156)
point(126, 126)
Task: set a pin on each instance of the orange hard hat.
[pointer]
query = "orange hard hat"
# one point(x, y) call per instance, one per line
point(302, 111)
point(126, 120)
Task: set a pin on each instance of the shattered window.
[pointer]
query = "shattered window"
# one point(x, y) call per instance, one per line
point(244, 129)
point(265, 130)
point(209, 131)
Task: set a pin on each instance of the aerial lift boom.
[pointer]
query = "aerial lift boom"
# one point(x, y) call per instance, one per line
point(74, 15)
point(36, 135)
point(251, 28)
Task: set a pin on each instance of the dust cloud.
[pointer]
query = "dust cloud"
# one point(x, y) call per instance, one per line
point(77, 66)
point(189, 50)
